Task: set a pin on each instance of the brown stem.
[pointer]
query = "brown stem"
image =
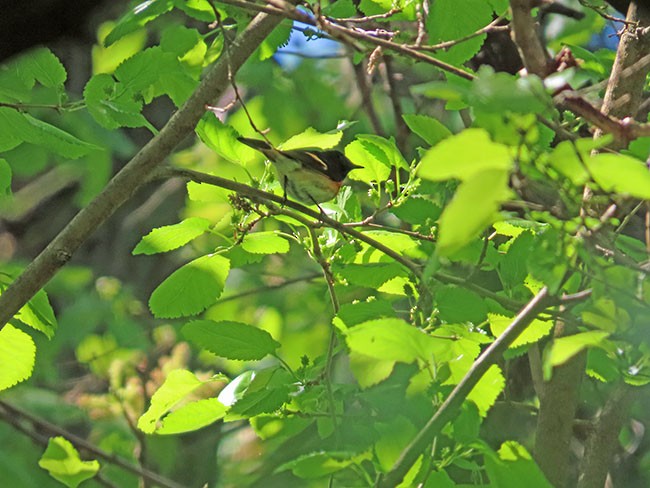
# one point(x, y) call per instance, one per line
point(602, 443)
point(366, 98)
point(558, 404)
point(125, 183)
point(402, 131)
point(624, 92)
point(526, 37)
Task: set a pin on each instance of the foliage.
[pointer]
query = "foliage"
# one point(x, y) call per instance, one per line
point(285, 345)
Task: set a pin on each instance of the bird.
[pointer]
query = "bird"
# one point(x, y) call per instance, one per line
point(308, 175)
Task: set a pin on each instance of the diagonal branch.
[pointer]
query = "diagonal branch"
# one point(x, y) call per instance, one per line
point(125, 183)
point(452, 404)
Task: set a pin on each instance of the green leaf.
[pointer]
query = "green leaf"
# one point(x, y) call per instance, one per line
point(198, 9)
point(569, 158)
point(564, 348)
point(393, 340)
point(232, 340)
point(106, 59)
point(254, 403)
point(474, 206)
point(192, 416)
point(24, 127)
point(385, 149)
point(453, 19)
point(463, 156)
point(157, 69)
point(18, 352)
point(456, 304)
point(368, 370)
point(394, 436)
point(320, 464)
point(513, 267)
point(416, 210)
point(498, 92)
point(621, 174)
point(354, 313)
point(371, 275)
point(279, 37)
point(138, 17)
point(56, 140)
point(428, 128)
point(439, 479)
point(340, 9)
point(38, 314)
point(190, 289)
point(312, 139)
point(62, 461)
point(222, 139)
point(110, 106)
point(376, 7)
point(171, 237)
point(178, 39)
point(265, 243)
point(547, 261)
point(178, 384)
point(533, 333)
point(43, 66)
point(5, 178)
point(375, 165)
point(514, 467)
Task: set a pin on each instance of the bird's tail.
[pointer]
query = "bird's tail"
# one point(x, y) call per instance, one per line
point(258, 144)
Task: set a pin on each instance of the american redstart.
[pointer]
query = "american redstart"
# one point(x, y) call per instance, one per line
point(311, 176)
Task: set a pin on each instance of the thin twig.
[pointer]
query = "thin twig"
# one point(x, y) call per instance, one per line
point(366, 98)
point(327, 373)
point(369, 18)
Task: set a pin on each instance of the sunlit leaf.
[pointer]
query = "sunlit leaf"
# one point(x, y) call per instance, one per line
point(232, 340)
point(18, 353)
point(171, 237)
point(190, 289)
point(62, 461)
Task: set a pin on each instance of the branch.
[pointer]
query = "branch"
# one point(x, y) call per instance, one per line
point(262, 196)
point(624, 131)
point(526, 37)
point(346, 34)
point(12, 415)
point(320, 219)
point(402, 131)
point(366, 98)
point(125, 183)
point(494, 26)
point(450, 408)
point(625, 91)
point(602, 442)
